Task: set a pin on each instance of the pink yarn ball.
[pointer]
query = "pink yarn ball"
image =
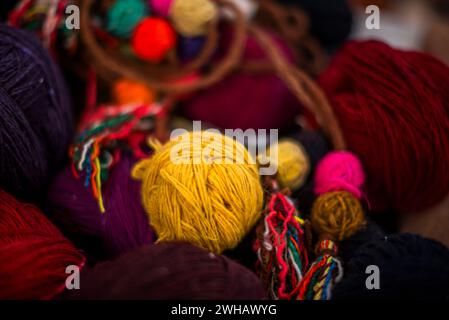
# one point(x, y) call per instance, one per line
point(161, 7)
point(339, 171)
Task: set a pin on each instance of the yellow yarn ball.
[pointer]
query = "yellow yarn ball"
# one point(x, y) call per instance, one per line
point(337, 214)
point(291, 161)
point(203, 188)
point(190, 17)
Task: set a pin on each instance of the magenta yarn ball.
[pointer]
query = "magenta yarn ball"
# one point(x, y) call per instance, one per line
point(161, 7)
point(339, 171)
point(246, 100)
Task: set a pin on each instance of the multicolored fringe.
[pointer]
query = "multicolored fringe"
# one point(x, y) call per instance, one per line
point(104, 133)
point(323, 273)
point(45, 18)
point(281, 248)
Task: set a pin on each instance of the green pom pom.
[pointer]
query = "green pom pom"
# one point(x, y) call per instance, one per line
point(124, 15)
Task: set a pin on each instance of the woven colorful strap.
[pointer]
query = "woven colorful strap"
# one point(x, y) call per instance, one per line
point(281, 248)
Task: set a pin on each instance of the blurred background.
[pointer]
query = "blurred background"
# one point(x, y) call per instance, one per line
point(408, 24)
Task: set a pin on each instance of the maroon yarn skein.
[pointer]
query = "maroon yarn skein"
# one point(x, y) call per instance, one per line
point(393, 108)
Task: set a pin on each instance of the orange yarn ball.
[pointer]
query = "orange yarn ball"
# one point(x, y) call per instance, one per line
point(128, 92)
point(153, 38)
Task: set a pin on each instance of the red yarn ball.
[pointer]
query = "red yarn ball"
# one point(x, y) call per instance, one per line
point(393, 107)
point(152, 39)
point(34, 255)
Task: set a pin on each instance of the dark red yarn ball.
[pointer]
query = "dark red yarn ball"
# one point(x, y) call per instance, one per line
point(33, 253)
point(393, 107)
point(169, 271)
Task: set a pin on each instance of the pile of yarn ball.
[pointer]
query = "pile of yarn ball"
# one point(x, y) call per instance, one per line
point(169, 270)
point(196, 196)
point(393, 109)
point(154, 225)
point(36, 115)
point(152, 26)
point(34, 254)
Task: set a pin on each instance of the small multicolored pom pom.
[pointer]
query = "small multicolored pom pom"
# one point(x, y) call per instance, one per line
point(127, 91)
point(124, 16)
point(190, 17)
point(153, 39)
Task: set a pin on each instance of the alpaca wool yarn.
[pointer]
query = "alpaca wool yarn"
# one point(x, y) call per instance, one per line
point(131, 92)
point(169, 271)
point(124, 15)
point(153, 38)
point(34, 255)
point(368, 84)
point(191, 17)
point(121, 228)
point(261, 101)
point(36, 114)
point(293, 164)
point(410, 268)
point(337, 214)
point(209, 199)
point(346, 171)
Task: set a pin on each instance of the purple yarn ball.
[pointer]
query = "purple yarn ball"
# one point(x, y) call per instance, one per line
point(189, 48)
point(36, 115)
point(121, 228)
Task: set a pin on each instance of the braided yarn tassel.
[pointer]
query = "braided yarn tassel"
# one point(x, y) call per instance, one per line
point(281, 249)
point(323, 273)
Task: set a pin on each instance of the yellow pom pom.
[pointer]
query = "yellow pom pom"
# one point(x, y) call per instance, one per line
point(291, 161)
point(190, 17)
point(129, 92)
point(203, 188)
point(337, 214)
